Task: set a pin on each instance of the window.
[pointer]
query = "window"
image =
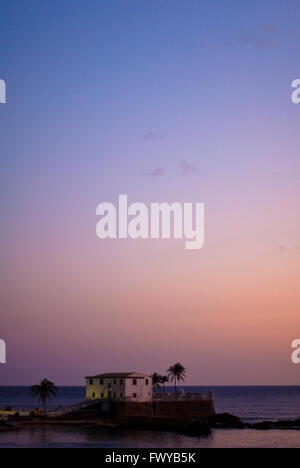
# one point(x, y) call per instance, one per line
point(115, 381)
point(147, 381)
point(109, 385)
point(94, 395)
point(102, 395)
point(134, 395)
point(115, 395)
point(134, 382)
point(101, 382)
point(91, 381)
point(121, 381)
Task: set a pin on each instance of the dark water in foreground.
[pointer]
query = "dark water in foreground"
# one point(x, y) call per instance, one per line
point(106, 438)
point(249, 403)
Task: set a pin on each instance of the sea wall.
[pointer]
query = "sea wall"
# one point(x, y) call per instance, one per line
point(163, 409)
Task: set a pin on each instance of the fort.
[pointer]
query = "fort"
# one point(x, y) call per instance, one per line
point(127, 398)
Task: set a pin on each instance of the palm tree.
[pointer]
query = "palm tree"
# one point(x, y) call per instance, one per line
point(44, 392)
point(164, 379)
point(176, 373)
point(156, 380)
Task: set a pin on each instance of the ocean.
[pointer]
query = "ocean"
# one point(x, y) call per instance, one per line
point(251, 404)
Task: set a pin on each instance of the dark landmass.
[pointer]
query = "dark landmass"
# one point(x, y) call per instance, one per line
point(228, 421)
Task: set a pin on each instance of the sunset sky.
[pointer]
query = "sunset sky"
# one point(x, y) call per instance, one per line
point(163, 100)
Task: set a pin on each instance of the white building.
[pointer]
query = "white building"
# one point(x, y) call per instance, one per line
point(121, 386)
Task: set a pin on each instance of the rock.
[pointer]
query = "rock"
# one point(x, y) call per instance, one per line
point(265, 425)
point(226, 420)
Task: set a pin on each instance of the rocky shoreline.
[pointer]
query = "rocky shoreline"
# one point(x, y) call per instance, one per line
point(228, 421)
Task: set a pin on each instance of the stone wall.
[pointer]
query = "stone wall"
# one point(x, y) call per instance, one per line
point(164, 409)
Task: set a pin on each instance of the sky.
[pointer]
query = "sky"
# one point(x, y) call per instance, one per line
point(163, 100)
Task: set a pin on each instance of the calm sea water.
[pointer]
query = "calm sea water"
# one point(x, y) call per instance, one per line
point(249, 403)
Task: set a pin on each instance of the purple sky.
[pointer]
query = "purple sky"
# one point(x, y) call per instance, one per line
point(164, 100)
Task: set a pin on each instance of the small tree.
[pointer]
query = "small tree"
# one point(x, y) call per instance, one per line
point(176, 373)
point(45, 391)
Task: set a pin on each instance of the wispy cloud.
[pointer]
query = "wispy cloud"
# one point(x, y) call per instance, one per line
point(269, 28)
point(281, 248)
point(284, 248)
point(150, 136)
point(256, 40)
point(158, 171)
point(261, 37)
point(187, 168)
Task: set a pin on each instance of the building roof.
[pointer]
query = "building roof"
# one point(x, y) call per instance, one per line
point(118, 375)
